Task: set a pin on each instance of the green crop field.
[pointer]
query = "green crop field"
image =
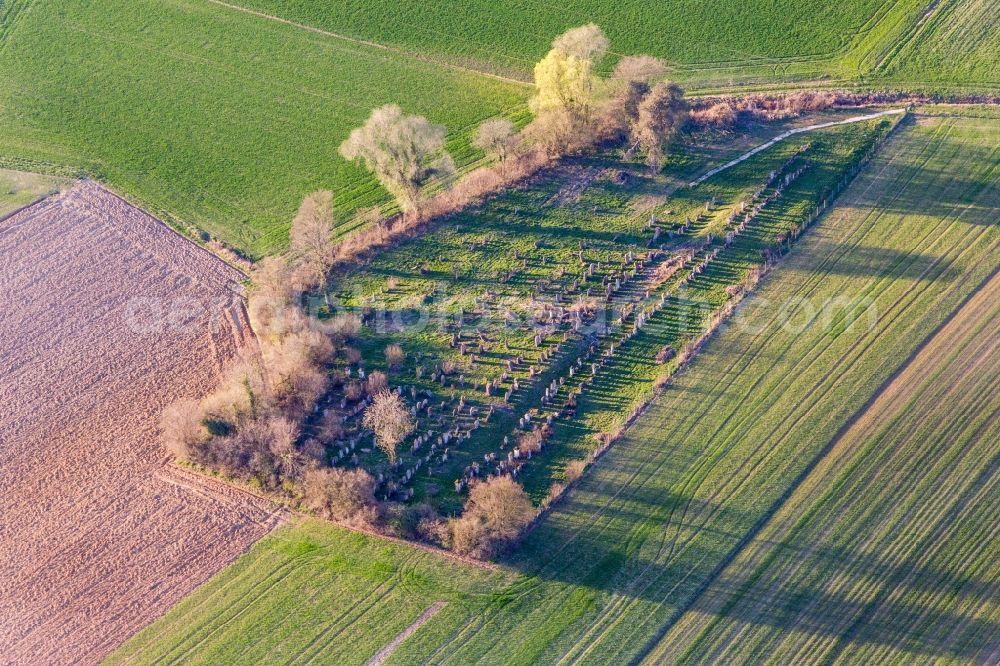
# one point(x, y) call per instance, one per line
point(208, 116)
point(957, 42)
point(310, 592)
point(720, 468)
point(830, 577)
point(708, 44)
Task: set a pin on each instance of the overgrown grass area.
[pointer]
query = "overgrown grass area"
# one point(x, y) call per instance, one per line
point(528, 305)
point(724, 460)
point(18, 188)
point(212, 117)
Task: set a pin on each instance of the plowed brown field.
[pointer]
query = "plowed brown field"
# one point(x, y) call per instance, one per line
point(105, 316)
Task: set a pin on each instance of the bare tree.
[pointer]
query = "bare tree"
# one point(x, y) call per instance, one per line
point(496, 138)
point(404, 152)
point(282, 436)
point(390, 420)
point(586, 43)
point(627, 86)
point(312, 235)
point(181, 428)
point(661, 114)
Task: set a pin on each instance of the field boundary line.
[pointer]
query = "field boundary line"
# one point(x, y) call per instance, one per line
point(482, 564)
point(20, 209)
point(145, 211)
point(391, 646)
point(365, 42)
point(784, 135)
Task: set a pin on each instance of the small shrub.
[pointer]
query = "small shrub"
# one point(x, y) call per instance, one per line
point(346, 495)
point(354, 391)
point(352, 355)
point(377, 382)
point(497, 511)
point(574, 470)
point(394, 356)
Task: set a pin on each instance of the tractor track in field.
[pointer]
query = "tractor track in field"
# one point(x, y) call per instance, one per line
point(892, 394)
point(371, 44)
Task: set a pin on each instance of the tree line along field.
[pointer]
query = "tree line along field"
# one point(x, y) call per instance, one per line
point(642, 543)
point(572, 255)
point(709, 45)
point(210, 117)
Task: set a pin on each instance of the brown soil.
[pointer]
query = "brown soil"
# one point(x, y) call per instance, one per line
point(98, 536)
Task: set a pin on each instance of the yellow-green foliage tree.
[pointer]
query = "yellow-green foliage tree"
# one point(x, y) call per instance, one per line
point(565, 82)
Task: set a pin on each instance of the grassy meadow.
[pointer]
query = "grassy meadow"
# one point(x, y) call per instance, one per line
point(721, 467)
point(210, 117)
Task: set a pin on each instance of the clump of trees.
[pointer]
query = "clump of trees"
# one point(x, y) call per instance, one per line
point(252, 425)
point(497, 512)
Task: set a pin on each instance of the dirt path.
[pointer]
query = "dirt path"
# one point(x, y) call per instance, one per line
point(781, 137)
point(387, 651)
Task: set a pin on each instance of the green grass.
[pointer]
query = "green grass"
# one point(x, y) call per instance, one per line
point(704, 41)
point(310, 591)
point(709, 45)
point(208, 116)
point(18, 188)
point(639, 544)
point(957, 42)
